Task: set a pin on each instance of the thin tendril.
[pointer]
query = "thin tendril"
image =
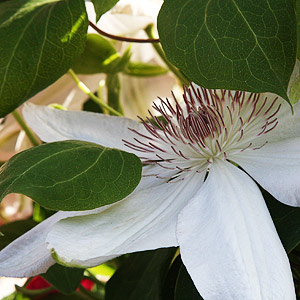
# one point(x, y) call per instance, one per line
point(121, 38)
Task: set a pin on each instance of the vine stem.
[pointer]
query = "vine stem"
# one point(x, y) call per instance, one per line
point(87, 91)
point(34, 141)
point(121, 38)
point(160, 52)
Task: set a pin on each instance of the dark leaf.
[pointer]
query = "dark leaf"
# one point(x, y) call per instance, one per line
point(236, 45)
point(287, 221)
point(66, 280)
point(141, 276)
point(185, 288)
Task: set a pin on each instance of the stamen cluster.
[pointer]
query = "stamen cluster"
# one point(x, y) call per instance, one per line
point(207, 125)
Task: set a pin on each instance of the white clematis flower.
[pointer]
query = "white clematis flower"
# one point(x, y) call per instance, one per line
point(227, 239)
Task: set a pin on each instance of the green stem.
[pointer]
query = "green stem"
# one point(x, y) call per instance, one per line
point(160, 52)
point(87, 91)
point(34, 293)
point(24, 126)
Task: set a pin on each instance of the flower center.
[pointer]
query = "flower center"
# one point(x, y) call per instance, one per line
point(207, 125)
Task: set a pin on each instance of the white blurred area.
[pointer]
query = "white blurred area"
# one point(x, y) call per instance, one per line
point(7, 285)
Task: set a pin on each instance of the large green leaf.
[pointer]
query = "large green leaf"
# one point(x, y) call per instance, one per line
point(39, 42)
point(287, 221)
point(102, 6)
point(71, 175)
point(65, 280)
point(141, 276)
point(231, 44)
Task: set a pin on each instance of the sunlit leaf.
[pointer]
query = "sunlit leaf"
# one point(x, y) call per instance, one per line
point(39, 42)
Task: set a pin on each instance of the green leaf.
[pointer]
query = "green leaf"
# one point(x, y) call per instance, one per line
point(286, 219)
point(141, 276)
point(171, 278)
point(238, 45)
point(141, 69)
point(71, 175)
point(73, 296)
point(13, 230)
point(96, 53)
point(297, 4)
point(39, 42)
point(295, 91)
point(66, 280)
point(102, 6)
point(100, 56)
point(185, 288)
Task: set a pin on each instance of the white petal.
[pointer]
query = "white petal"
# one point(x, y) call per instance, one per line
point(28, 255)
point(276, 167)
point(288, 122)
point(144, 220)
point(56, 125)
point(228, 241)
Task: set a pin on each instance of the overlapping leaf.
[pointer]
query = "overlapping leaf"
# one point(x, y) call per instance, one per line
point(71, 175)
point(231, 44)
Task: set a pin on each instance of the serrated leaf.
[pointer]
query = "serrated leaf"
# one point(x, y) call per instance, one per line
point(286, 219)
point(39, 42)
point(66, 280)
point(185, 288)
point(102, 6)
point(237, 45)
point(141, 276)
point(71, 175)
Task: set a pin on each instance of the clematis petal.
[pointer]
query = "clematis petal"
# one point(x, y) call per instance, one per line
point(276, 168)
point(144, 220)
point(56, 125)
point(28, 255)
point(228, 241)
